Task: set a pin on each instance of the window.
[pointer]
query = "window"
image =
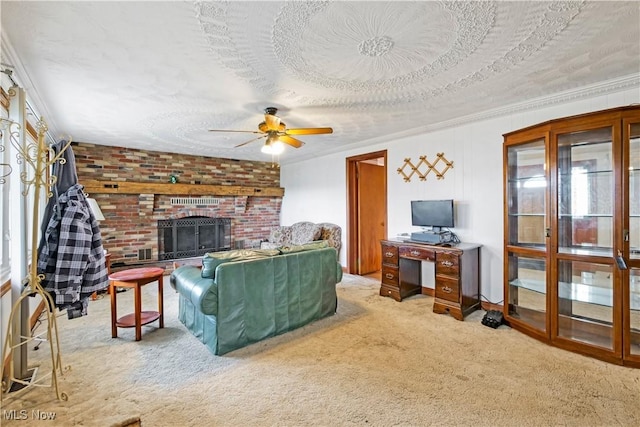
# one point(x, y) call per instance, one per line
point(5, 176)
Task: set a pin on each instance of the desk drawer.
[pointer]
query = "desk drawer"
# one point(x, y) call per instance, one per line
point(448, 289)
point(417, 253)
point(387, 291)
point(389, 254)
point(390, 275)
point(448, 264)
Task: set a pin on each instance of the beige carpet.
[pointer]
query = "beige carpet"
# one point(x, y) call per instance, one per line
point(377, 362)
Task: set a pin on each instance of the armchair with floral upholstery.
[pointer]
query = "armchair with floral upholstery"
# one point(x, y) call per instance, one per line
point(304, 232)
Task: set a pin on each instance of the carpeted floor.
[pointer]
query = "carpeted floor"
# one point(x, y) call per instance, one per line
point(377, 362)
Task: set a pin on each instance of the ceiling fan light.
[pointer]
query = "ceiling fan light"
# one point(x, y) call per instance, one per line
point(273, 146)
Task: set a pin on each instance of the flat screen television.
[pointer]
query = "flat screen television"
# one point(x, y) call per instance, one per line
point(432, 213)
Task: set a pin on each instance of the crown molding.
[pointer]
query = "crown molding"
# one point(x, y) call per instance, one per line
point(598, 89)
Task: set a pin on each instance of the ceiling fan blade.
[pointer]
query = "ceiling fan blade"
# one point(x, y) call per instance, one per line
point(308, 131)
point(272, 128)
point(251, 140)
point(291, 141)
point(241, 131)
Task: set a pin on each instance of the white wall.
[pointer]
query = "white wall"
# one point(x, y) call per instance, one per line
point(315, 190)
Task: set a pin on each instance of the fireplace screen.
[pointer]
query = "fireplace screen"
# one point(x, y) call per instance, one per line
point(192, 236)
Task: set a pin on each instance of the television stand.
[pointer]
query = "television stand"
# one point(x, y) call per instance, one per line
point(457, 281)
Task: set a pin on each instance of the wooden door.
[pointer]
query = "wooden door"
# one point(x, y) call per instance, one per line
point(369, 208)
point(371, 179)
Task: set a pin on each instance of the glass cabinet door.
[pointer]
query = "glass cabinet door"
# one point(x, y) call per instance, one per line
point(585, 303)
point(586, 192)
point(634, 191)
point(633, 314)
point(526, 263)
point(586, 197)
point(526, 193)
point(527, 290)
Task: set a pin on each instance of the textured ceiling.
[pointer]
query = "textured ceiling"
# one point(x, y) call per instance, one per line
point(158, 75)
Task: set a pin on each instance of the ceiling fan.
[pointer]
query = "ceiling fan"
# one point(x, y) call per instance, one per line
point(276, 133)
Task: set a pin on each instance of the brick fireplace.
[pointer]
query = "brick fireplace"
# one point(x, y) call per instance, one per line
point(192, 236)
point(130, 229)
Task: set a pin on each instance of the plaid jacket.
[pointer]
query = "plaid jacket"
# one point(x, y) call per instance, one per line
point(71, 256)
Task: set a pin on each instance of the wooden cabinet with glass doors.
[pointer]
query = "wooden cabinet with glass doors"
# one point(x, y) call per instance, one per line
point(572, 233)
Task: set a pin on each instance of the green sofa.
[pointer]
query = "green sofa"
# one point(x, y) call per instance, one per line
point(241, 297)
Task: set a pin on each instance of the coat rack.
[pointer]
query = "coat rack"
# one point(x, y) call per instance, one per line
point(39, 158)
point(429, 167)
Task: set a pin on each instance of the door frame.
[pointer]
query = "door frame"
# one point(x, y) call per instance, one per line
point(353, 219)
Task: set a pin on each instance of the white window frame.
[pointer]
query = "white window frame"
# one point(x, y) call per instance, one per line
point(5, 269)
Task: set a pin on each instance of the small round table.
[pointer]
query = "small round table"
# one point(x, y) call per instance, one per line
point(135, 278)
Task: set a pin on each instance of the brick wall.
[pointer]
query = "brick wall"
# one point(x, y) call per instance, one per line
point(130, 223)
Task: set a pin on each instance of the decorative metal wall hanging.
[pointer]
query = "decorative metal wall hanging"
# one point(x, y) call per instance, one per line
point(429, 167)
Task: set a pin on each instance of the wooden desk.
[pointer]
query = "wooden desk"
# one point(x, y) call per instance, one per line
point(136, 278)
point(457, 279)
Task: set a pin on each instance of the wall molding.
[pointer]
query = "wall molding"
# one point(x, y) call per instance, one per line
point(606, 87)
point(597, 89)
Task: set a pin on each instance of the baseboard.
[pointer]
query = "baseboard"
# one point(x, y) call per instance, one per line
point(486, 305)
point(428, 291)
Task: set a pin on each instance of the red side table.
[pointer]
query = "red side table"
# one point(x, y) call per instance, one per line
point(135, 278)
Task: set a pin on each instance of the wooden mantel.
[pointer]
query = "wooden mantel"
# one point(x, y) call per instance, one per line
point(128, 187)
